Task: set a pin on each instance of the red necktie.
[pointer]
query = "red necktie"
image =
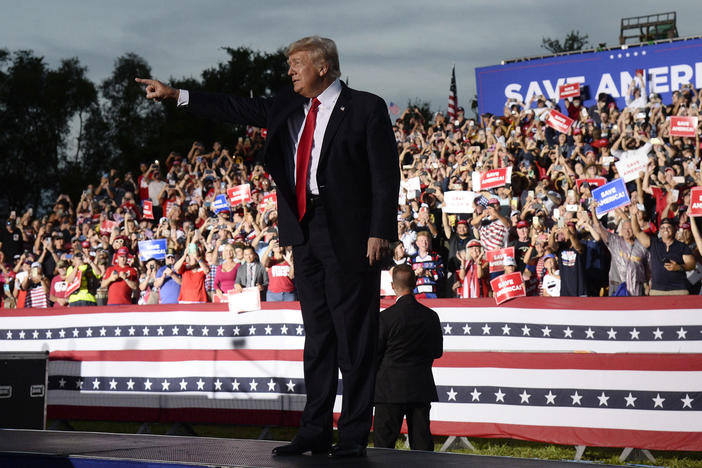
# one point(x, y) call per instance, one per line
point(304, 150)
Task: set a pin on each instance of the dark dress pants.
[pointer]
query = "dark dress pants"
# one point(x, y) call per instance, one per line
point(340, 311)
point(388, 423)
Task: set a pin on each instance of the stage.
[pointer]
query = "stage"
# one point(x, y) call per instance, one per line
point(48, 449)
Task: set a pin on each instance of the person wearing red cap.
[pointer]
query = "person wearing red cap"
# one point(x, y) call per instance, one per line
point(492, 226)
point(193, 270)
point(523, 243)
point(120, 279)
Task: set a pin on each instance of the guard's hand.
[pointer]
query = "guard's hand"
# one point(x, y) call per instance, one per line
point(158, 91)
point(376, 249)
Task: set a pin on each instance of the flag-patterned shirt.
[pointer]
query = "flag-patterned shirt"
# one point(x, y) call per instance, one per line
point(493, 236)
point(433, 267)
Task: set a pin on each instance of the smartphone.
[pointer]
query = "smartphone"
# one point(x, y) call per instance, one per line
point(561, 222)
point(531, 194)
point(192, 248)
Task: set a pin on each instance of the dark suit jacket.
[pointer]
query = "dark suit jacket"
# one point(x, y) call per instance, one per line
point(242, 275)
point(358, 173)
point(410, 338)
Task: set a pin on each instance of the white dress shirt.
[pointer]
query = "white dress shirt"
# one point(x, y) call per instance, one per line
point(327, 101)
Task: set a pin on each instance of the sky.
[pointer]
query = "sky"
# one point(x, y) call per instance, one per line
point(400, 50)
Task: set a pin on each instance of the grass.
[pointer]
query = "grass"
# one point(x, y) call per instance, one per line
point(492, 447)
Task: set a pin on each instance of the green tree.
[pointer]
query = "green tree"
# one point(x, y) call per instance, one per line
point(59, 130)
point(244, 73)
point(133, 123)
point(38, 105)
point(572, 42)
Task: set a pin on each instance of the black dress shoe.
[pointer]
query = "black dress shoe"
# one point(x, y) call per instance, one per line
point(298, 447)
point(347, 451)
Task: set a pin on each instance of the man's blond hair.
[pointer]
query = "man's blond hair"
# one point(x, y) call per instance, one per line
point(322, 51)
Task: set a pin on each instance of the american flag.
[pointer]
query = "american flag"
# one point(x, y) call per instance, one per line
point(575, 371)
point(453, 98)
point(394, 108)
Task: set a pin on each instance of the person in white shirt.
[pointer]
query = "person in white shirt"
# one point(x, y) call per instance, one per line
point(551, 285)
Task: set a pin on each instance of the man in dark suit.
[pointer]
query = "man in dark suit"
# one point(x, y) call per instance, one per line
point(251, 273)
point(410, 339)
point(333, 155)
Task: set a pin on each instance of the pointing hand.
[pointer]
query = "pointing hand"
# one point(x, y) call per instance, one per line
point(158, 91)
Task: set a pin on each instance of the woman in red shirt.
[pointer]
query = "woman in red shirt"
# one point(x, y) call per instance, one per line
point(193, 270)
point(279, 265)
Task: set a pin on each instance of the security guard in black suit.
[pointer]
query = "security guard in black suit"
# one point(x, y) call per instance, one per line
point(410, 339)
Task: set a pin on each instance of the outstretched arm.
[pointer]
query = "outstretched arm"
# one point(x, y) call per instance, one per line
point(222, 107)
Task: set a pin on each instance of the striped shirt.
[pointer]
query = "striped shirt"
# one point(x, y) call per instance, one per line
point(210, 278)
point(493, 236)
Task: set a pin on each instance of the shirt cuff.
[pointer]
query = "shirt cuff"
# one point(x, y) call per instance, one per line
point(183, 97)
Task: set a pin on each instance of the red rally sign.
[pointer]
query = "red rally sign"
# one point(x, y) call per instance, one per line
point(74, 285)
point(496, 258)
point(239, 194)
point(148, 210)
point(683, 126)
point(269, 202)
point(696, 201)
point(569, 90)
point(559, 122)
point(492, 179)
point(107, 225)
point(592, 182)
point(508, 287)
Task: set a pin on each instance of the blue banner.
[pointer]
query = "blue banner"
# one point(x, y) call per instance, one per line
point(610, 196)
point(155, 249)
point(666, 68)
point(220, 203)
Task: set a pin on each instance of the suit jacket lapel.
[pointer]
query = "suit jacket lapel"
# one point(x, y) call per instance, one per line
point(278, 133)
point(340, 110)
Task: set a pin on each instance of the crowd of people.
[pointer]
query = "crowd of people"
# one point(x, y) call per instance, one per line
point(546, 212)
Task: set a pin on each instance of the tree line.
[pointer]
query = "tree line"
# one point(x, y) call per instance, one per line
point(59, 130)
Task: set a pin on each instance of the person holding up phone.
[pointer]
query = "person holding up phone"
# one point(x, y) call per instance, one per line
point(193, 270)
point(278, 262)
point(670, 258)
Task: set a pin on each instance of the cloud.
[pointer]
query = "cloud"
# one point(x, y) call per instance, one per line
point(398, 48)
